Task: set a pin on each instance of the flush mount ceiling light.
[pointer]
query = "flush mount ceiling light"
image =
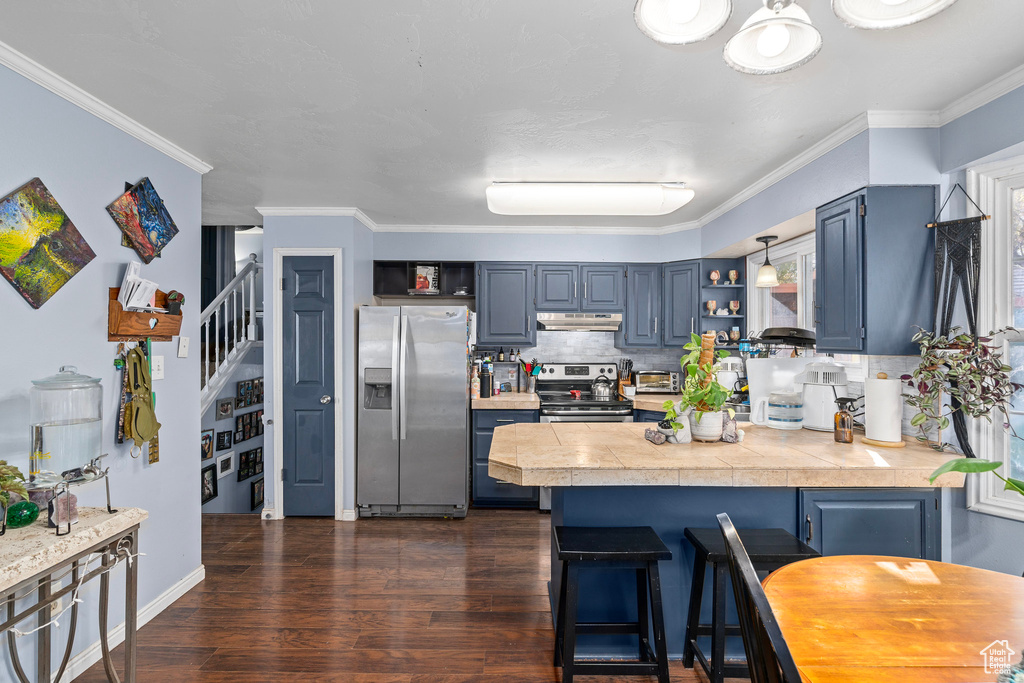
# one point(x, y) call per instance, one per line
point(587, 199)
point(680, 22)
point(776, 38)
point(882, 14)
point(767, 276)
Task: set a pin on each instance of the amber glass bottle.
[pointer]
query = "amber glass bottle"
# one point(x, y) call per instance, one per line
point(843, 432)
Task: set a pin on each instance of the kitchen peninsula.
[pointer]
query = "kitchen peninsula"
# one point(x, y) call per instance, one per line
point(839, 498)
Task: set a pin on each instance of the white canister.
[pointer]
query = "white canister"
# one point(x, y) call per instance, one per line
point(883, 409)
point(781, 410)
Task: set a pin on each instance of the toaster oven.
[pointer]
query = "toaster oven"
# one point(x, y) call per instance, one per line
point(657, 382)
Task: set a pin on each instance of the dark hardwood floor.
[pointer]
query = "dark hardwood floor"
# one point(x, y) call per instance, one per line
point(382, 600)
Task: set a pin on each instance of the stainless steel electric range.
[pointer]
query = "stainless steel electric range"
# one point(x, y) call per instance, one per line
point(565, 391)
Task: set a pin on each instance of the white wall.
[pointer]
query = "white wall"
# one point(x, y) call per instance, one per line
point(85, 163)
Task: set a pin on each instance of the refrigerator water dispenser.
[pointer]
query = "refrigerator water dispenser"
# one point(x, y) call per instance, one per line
point(377, 389)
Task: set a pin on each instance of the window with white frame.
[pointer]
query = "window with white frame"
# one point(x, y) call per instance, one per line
point(791, 303)
point(999, 188)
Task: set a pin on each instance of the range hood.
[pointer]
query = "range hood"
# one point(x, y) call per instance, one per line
point(594, 322)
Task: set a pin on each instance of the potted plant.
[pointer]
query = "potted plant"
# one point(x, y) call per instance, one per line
point(11, 481)
point(970, 370)
point(702, 394)
point(174, 301)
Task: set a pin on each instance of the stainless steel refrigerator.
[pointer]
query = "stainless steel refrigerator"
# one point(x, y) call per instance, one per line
point(412, 456)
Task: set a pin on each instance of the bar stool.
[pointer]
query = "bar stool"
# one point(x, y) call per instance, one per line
point(637, 548)
point(769, 549)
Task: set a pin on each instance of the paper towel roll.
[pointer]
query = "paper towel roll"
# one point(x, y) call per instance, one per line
point(883, 409)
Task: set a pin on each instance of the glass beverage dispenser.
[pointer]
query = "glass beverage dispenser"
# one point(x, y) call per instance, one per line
point(67, 425)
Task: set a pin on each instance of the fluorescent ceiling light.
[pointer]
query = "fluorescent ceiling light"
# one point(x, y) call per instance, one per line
point(883, 14)
point(776, 38)
point(679, 22)
point(587, 199)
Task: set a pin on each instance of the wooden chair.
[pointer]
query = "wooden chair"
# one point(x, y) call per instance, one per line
point(768, 657)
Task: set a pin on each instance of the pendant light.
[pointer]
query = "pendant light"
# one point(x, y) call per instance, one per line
point(767, 276)
point(776, 38)
point(681, 22)
point(882, 14)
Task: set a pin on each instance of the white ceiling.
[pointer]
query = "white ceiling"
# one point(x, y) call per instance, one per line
point(407, 110)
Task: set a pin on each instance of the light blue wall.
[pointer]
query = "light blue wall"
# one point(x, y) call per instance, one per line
point(356, 241)
point(983, 132)
point(402, 246)
point(904, 156)
point(85, 163)
point(832, 175)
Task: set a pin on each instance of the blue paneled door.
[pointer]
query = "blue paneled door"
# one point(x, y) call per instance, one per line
point(308, 385)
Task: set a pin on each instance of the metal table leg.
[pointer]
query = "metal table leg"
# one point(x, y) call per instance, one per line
point(108, 664)
point(12, 644)
point(43, 635)
point(131, 610)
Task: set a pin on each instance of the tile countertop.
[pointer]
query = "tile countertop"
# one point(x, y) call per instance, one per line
point(508, 401)
point(653, 402)
point(616, 454)
point(26, 552)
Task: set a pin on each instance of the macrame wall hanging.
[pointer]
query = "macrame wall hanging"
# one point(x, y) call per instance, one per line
point(958, 275)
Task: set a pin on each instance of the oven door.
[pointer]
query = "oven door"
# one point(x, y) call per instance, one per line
point(594, 416)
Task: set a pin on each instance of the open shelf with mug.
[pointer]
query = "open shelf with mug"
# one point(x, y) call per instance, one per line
point(723, 281)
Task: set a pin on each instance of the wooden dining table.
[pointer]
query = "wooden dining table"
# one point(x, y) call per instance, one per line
point(854, 618)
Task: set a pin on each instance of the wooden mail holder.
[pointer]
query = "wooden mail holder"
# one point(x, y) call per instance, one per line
point(125, 325)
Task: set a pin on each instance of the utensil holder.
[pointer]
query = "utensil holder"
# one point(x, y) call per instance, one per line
point(531, 385)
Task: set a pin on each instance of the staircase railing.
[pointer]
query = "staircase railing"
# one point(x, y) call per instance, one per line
point(230, 321)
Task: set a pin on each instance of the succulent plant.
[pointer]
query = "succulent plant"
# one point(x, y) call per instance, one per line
point(11, 481)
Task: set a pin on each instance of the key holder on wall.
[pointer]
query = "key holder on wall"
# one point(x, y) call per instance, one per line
point(958, 274)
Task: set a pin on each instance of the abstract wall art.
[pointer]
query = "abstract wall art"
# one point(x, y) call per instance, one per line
point(143, 218)
point(40, 248)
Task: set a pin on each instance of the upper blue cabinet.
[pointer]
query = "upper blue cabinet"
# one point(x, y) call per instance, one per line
point(681, 302)
point(875, 262)
point(604, 288)
point(505, 314)
point(557, 287)
point(641, 325)
point(590, 288)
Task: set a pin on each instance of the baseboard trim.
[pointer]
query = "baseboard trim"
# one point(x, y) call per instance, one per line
point(348, 515)
point(81, 662)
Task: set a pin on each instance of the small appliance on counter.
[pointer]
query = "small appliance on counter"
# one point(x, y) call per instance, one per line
point(824, 381)
point(781, 410)
point(765, 375)
point(883, 411)
point(657, 382)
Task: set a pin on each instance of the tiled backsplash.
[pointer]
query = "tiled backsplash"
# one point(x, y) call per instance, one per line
point(579, 346)
point(895, 367)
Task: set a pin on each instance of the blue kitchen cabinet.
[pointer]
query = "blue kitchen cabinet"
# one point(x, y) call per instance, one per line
point(875, 262)
point(488, 491)
point(557, 287)
point(897, 522)
point(681, 302)
point(640, 324)
point(604, 288)
point(505, 312)
point(648, 416)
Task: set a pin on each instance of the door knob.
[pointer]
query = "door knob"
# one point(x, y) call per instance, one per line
point(325, 399)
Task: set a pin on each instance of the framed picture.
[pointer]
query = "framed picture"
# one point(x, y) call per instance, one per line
point(239, 422)
point(240, 393)
point(257, 493)
point(238, 437)
point(143, 219)
point(225, 408)
point(259, 454)
point(243, 464)
point(248, 399)
point(209, 484)
point(239, 402)
point(225, 465)
point(206, 444)
point(40, 248)
point(223, 441)
point(246, 434)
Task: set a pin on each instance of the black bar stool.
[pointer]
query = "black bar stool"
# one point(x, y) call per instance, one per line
point(637, 548)
point(769, 549)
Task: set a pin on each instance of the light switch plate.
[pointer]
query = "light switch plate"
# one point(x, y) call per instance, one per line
point(182, 347)
point(158, 368)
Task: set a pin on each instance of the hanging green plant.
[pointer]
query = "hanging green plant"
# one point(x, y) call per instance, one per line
point(969, 370)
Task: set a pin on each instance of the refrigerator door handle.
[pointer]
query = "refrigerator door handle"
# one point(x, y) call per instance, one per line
point(396, 389)
point(404, 361)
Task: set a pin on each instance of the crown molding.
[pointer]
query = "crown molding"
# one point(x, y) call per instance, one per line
point(992, 90)
point(903, 119)
point(40, 75)
point(347, 211)
point(539, 229)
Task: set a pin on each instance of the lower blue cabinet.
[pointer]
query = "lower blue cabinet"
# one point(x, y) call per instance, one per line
point(897, 522)
point(648, 416)
point(488, 491)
